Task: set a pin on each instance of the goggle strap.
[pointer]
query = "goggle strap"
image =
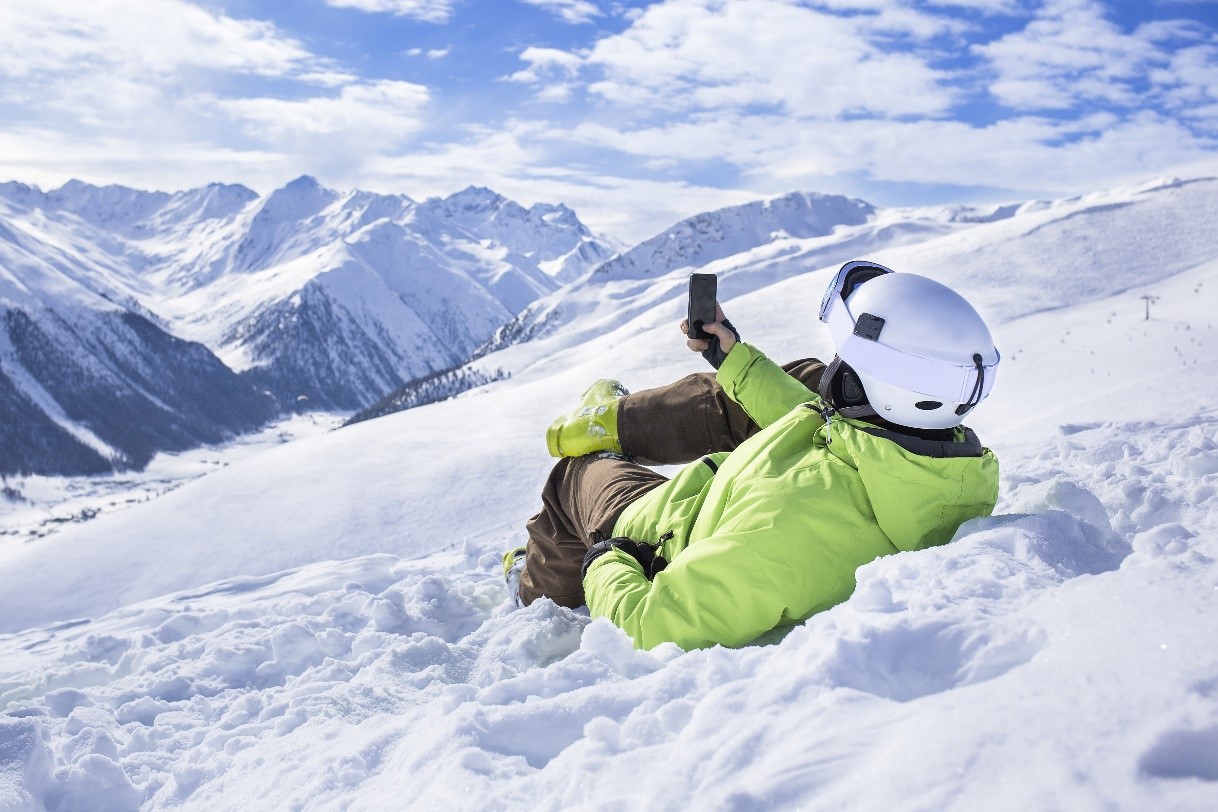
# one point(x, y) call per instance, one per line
point(849, 277)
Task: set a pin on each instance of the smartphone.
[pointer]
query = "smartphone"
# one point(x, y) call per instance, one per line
point(703, 293)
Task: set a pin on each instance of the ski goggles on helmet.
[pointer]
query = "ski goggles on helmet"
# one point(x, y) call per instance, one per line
point(858, 344)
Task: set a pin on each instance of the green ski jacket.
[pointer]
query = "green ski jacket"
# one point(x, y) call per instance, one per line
point(771, 533)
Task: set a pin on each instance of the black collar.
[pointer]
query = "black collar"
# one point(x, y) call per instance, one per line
point(937, 443)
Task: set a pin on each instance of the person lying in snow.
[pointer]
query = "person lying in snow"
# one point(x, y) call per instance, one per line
point(798, 474)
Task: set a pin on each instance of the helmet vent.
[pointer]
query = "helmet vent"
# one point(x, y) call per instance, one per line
point(928, 405)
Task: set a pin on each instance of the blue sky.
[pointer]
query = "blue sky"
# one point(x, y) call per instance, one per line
point(633, 113)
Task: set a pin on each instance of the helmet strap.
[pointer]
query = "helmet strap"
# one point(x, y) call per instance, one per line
point(978, 388)
point(840, 388)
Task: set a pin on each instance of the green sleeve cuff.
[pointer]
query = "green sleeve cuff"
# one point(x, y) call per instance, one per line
point(609, 579)
point(613, 556)
point(734, 365)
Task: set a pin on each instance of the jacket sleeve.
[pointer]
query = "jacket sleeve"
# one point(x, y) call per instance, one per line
point(764, 564)
point(722, 590)
point(761, 387)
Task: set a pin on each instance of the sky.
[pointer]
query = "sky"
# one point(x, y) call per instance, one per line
point(633, 113)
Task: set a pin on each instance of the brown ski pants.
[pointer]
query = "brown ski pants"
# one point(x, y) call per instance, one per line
point(584, 496)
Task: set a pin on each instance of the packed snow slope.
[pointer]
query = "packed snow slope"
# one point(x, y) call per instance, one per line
point(324, 625)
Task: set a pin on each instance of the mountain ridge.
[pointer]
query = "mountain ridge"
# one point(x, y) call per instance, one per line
point(313, 298)
point(363, 300)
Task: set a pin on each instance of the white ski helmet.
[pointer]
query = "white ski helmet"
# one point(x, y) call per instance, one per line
point(922, 355)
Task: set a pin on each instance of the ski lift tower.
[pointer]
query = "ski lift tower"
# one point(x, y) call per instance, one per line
point(1149, 299)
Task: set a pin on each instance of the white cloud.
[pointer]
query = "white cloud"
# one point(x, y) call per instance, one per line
point(438, 53)
point(105, 69)
point(377, 114)
point(776, 153)
point(546, 63)
point(144, 94)
point(1192, 84)
point(328, 78)
point(711, 54)
point(1071, 54)
point(429, 11)
point(1005, 7)
point(515, 160)
point(825, 95)
point(154, 38)
point(1023, 153)
point(38, 156)
point(573, 11)
point(556, 92)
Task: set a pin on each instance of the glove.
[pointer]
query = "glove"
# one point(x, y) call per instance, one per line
point(642, 553)
point(713, 353)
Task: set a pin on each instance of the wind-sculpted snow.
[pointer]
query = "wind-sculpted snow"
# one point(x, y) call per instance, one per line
point(1038, 642)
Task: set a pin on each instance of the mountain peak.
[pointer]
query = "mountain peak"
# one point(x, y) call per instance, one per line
point(303, 183)
point(231, 188)
point(213, 201)
point(475, 198)
point(73, 186)
point(20, 193)
point(111, 207)
point(713, 235)
point(557, 214)
point(298, 199)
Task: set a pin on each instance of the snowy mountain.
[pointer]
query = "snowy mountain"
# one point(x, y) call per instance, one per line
point(329, 628)
point(551, 234)
point(311, 296)
point(692, 243)
point(92, 391)
point(90, 379)
point(1050, 253)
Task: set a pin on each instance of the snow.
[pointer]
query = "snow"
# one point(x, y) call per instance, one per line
point(38, 506)
point(324, 624)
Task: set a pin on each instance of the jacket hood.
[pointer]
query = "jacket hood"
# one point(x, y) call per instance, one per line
point(920, 490)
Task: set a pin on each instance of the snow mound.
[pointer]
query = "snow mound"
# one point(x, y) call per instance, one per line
point(1038, 637)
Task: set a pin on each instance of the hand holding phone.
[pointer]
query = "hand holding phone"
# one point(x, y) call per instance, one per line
point(703, 292)
point(703, 310)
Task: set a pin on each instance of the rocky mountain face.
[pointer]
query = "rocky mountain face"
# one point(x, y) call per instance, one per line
point(110, 389)
point(133, 321)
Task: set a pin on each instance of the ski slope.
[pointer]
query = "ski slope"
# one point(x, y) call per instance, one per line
point(323, 625)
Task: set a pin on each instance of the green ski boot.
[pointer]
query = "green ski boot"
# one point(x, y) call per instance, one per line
point(592, 426)
point(513, 568)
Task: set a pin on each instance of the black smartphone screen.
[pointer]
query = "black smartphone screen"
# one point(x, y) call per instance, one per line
point(703, 290)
